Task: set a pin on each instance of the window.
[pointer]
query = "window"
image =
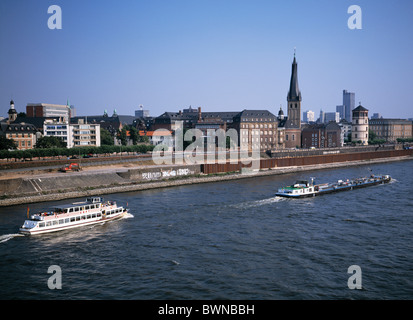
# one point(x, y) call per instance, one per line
point(72, 219)
point(61, 221)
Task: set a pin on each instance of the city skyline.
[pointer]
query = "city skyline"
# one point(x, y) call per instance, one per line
point(228, 56)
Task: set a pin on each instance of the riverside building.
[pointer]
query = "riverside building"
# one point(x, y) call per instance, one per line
point(360, 125)
point(391, 129)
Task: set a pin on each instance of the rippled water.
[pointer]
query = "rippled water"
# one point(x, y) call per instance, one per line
point(227, 240)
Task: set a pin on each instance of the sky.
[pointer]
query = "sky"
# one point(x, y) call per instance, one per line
point(220, 55)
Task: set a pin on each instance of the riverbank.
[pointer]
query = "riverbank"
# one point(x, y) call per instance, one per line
point(189, 178)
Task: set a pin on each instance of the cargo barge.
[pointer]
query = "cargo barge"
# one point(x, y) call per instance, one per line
point(306, 188)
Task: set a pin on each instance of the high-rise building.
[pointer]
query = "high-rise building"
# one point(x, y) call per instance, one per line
point(141, 113)
point(48, 110)
point(308, 116)
point(349, 104)
point(331, 116)
point(342, 111)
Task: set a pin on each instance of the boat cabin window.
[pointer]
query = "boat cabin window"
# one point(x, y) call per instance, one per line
point(76, 209)
point(67, 220)
point(41, 224)
point(87, 207)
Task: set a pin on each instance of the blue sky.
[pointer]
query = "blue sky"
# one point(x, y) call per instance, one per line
point(216, 54)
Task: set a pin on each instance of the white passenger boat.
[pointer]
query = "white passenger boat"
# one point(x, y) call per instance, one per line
point(93, 210)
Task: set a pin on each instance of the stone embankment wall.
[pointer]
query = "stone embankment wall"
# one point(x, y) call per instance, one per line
point(74, 185)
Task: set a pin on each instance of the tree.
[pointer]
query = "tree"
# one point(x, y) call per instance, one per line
point(7, 144)
point(122, 136)
point(134, 135)
point(50, 142)
point(372, 136)
point(106, 138)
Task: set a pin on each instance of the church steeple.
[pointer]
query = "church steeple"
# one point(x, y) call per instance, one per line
point(294, 93)
point(294, 98)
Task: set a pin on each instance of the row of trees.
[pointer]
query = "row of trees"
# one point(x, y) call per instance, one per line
point(65, 152)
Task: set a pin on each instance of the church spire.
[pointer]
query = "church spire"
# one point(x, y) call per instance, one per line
point(294, 93)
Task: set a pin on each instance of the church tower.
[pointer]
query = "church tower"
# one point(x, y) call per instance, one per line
point(12, 112)
point(294, 98)
point(293, 124)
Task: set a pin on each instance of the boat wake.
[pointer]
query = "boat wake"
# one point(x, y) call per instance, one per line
point(7, 237)
point(259, 203)
point(128, 216)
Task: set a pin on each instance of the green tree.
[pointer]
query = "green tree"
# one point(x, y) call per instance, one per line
point(106, 138)
point(7, 144)
point(50, 142)
point(134, 135)
point(122, 136)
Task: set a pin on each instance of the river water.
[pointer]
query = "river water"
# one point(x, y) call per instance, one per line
point(226, 240)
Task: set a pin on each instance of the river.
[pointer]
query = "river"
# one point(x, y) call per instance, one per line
point(226, 240)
